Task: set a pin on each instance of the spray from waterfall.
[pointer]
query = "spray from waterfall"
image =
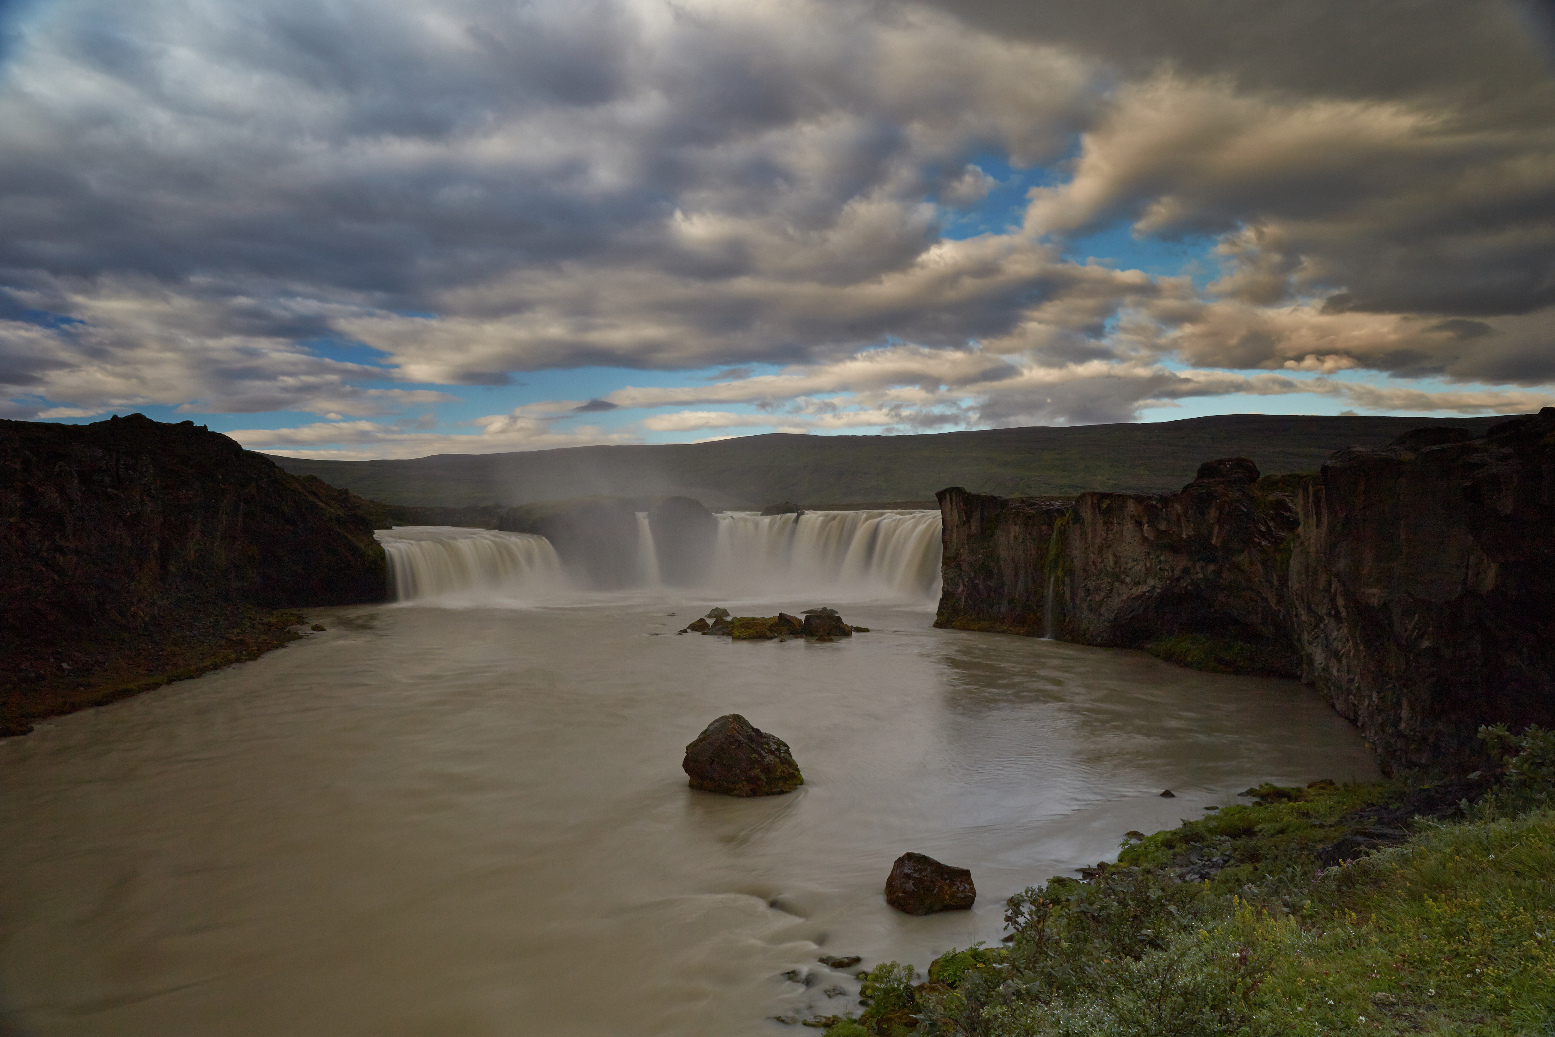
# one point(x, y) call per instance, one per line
point(647, 553)
point(471, 566)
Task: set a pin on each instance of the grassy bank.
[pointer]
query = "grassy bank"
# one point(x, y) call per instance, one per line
point(1411, 906)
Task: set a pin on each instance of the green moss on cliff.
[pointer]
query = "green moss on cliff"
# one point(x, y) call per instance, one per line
point(1224, 655)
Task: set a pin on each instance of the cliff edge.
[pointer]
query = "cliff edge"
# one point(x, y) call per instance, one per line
point(1413, 585)
point(135, 552)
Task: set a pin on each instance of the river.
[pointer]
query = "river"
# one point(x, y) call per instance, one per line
point(464, 815)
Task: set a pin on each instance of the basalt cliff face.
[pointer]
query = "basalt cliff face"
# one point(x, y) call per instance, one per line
point(1413, 585)
point(133, 548)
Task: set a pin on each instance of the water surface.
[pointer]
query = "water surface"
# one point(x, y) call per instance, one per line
point(469, 822)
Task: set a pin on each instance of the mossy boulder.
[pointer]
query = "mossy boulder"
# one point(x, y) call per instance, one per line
point(732, 757)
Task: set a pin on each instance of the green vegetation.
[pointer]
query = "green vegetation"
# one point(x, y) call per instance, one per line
point(763, 628)
point(823, 471)
point(1290, 915)
point(1224, 655)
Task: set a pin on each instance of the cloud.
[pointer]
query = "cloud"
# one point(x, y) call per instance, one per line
point(361, 440)
point(130, 344)
point(208, 204)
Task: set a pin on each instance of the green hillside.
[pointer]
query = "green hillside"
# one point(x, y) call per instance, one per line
point(835, 470)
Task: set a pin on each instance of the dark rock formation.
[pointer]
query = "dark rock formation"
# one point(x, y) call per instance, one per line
point(684, 537)
point(1414, 585)
point(921, 885)
point(756, 628)
point(1422, 586)
point(825, 624)
point(135, 551)
point(786, 508)
point(734, 758)
point(840, 961)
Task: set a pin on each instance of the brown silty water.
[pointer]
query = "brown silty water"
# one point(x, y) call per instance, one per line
point(472, 821)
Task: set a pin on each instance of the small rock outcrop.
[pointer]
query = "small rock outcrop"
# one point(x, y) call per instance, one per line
point(767, 628)
point(734, 758)
point(825, 623)
point(921, 885)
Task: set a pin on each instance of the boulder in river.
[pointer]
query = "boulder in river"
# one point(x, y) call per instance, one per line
point(732, 757)
point(698, 627)
point(921, 885)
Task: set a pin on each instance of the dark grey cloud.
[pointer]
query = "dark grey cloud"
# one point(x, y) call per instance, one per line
point(477, 187)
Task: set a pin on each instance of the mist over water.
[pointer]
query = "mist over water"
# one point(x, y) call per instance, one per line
point(471, 821)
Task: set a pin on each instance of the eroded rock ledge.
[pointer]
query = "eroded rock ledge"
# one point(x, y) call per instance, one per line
point(1413, 585)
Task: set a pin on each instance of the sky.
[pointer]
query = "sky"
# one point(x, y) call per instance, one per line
point(357, 229)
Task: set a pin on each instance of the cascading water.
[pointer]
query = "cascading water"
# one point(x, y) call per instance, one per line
point(843, 555)
point(439, 562)
point(857, 554)
point(647, 553)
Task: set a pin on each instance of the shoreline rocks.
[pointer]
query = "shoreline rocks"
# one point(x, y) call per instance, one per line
point(734, 758)
point(921, 885)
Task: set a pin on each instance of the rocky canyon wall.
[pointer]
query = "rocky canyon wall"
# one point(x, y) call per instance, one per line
point(1413, 585)
point(130, 546)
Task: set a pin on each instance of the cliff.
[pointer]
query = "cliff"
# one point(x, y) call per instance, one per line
point(135, 550)
point(1413, 585)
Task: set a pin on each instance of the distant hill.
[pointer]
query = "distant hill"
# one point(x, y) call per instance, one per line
point(818, 471)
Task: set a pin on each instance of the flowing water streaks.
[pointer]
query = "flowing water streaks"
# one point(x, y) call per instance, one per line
point(437, 561)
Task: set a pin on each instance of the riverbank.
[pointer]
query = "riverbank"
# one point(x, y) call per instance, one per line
point(41, 680)
point(1405, 906)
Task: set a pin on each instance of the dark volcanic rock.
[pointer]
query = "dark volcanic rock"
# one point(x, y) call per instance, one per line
point(825, 624)
point(921, 885)
point(133, 549)
point(1413, 585)
point(1422, 584)
point(732, 757)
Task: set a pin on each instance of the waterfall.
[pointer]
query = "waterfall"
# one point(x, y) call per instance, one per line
point(838, 555)
point(439, 562)
point(1047, 608)
point(855, 554)
point(647, 553)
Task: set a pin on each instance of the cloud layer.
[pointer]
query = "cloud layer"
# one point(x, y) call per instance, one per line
point(214, 207)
